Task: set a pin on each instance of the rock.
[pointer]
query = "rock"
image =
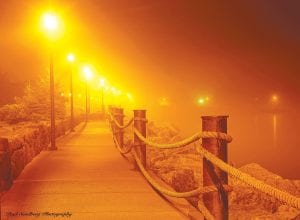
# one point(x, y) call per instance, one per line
point(182, 169)
point(27, 141)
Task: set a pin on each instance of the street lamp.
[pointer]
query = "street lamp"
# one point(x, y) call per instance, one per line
point(274, 99)
point(201, 101)
point(50, 23)
point(71, 59)
point(88, 76)
point(102, 84)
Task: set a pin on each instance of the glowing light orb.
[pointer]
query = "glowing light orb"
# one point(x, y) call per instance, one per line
point(71, 58)
point(50, 21)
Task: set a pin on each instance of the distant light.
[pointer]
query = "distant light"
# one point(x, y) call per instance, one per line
point(129, 96)
point(62, 94)
point(71, 58)
point(50, 21)
point(201, 101)
point(274, 98)
point(164, 101)
point(102, 82)
point(207, 98)
point(79, 95)
point(88, 72)
point(70, 94)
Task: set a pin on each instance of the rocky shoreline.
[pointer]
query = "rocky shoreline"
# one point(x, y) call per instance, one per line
point(182, 170)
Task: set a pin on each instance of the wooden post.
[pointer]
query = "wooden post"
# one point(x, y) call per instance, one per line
point(5, 165)
point(215, 202)
point(113, 126)
point(119, 116)
point(140, 124)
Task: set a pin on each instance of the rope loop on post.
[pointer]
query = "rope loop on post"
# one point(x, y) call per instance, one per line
point(258, 184)
point(122, 151)
point(140, 119)
point(187, 141)
point(117, 123)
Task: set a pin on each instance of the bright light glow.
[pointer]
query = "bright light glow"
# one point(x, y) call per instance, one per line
point(102, 82)
point(88, 73)
point(164, 101)
point(201, 101)
point(129, 96)
point(274, 98)
point(50, 22)
point(71, 57)
point(62, 94)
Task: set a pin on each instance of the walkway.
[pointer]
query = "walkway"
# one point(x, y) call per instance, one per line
point(85, 177)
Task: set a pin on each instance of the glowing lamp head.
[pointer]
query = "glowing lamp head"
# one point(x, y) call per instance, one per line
point(50, 22)
point(102, 82)
point(274, 99)
point(201, 101)
point(163, 101)
point(88, 73)
point(71, 58)
point(129, 96)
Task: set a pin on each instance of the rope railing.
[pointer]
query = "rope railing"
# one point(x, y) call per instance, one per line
point(246, 178)
point(205, 212)
point(167, 192)
point(187, 141)
point(141, 140)
point(122, 151)
point(118, 124)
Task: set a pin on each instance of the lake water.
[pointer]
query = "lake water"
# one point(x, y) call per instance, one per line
point(267, 138)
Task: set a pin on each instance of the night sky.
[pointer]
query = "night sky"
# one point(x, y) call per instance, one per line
point(244, 47)
point(237, 53)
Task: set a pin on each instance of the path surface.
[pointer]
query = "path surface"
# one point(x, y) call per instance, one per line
point(87, 177)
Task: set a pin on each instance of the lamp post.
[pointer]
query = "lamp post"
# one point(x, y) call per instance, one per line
point(102, 84)
point(50, 22)
point(88, 76)
point(71, 59)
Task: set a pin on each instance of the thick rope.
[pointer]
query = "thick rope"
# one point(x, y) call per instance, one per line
point(122, 151)
point(123, 126)
point(167, 192)
point(270, 190)
point(118, 124)
point(206, 213)
point(195, 137)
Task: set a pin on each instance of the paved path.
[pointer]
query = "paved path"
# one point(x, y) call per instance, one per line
point(88, 178)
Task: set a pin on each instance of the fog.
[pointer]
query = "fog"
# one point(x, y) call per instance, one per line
point(238, 55)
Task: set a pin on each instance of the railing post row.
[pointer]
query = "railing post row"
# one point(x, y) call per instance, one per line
point(113, 126)
point(119, 116)
point(140, 125)
point(215, 202)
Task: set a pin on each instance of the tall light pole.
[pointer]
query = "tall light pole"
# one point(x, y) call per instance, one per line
point(88, 76)
point(71, 59)
point(50, 22)
point(102, 84)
